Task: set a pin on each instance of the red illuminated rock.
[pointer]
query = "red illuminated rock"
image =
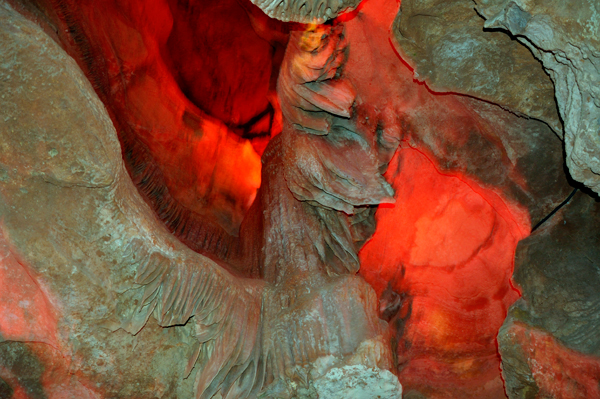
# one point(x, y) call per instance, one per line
point(131, 55)
point(441, 260)
point(105, 285)
point(470, 181)
point(222, 65)
point(535, 364)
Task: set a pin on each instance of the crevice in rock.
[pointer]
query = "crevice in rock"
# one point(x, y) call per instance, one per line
point(547, 217)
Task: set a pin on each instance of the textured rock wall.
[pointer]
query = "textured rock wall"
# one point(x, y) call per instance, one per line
point(445, 44)
point(549, 344)
point(431, 257)
point(130, 53)
point(96, 295)
point(73, 231)
point(470, 179)
point(306, 11)
point(565, 37)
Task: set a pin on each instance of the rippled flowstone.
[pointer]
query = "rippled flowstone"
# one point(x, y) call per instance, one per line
point(68, 215)
point(98, 300)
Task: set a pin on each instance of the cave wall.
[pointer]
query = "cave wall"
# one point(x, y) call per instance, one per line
point(479, 165)
point(458, 46)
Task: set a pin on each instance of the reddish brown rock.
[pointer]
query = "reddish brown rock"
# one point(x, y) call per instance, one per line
point(127, 308)
point(549, 343)
point(536, 365)
point(470, 180)
point(430, 254)
point(74, 234)
point(130, 54)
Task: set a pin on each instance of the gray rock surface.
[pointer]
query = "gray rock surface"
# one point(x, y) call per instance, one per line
point(558, 270)
point(305, 11)
point(549, 342)
point(446, 45)
point(326, 378)
point(565, 37)
point(358, 382)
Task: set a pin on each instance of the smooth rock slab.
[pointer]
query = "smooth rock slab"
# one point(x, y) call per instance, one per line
point(558, 273)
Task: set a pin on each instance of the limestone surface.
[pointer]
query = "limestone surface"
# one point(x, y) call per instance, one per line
point(446, 45)
point(69, 215)
point(98, 299)
point(550, 343)
point(565, 37)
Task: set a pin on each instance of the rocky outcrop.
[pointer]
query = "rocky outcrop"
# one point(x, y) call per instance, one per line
point(453, 49)
point(565, 37)
point(549, 341)
point(446, 45)
point(549, 344)
point(305, 11)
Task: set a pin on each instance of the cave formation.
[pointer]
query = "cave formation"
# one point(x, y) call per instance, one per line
point(212, 198)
